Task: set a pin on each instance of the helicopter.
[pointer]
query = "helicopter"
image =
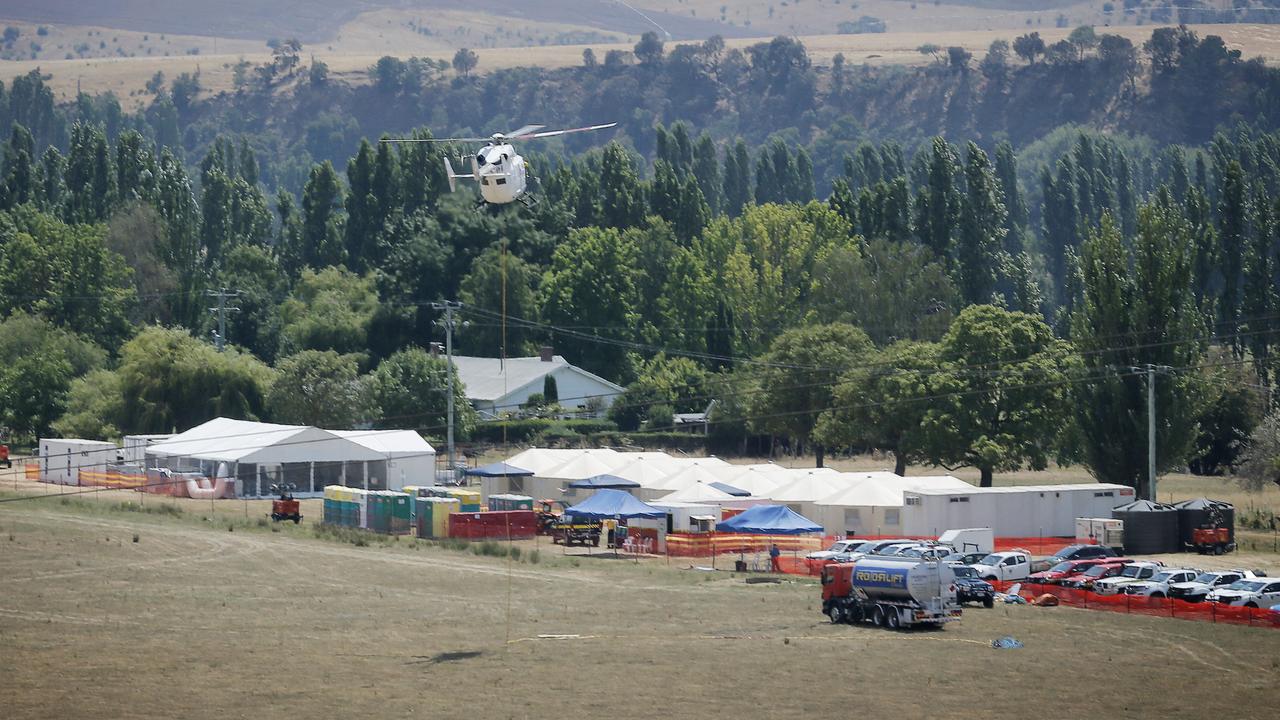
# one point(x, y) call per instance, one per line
point(502, 173)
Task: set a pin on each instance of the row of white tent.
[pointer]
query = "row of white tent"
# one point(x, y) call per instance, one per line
point(842, 502)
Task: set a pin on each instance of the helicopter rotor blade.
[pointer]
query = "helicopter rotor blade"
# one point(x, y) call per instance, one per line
point(523, 131)
point(554, 133)
point(432, 140)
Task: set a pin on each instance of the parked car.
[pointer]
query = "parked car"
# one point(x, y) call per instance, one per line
point(1249, 592)
point(1158, 585)
point(1204, 583)
point(1064, 569)
point(871, 547)
point(836, 548)
point(1008, 565)
point(1083, 552)
point(1132, 572)
point(1086, 579)
point(972, 558)
point(971, 588)
point(896, 548)
point(928, 552)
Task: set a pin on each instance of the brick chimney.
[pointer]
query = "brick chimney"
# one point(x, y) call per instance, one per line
point(435, 349)
point(546, 353)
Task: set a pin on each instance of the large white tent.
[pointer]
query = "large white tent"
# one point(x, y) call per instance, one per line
point(695, 472)
point(805, 489)
point(700, 493)
point(258, 455)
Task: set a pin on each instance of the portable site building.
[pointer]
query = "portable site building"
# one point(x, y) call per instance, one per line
point(1026, 511)
point(62, 459)
point(134, 450)
point(871, 502)
point(258, 455)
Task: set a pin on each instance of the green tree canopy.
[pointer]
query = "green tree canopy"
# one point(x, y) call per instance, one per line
point(321, 388)
point(411, 389)
point(170, 381)
point(999, 397)
point(798, 376)
point(328, 310)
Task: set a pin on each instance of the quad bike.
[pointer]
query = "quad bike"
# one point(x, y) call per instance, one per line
point(285, 508)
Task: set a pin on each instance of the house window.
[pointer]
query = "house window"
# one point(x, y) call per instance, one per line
point(960, 499)
point(852, 520)
point(891, 516)
point(913, 500)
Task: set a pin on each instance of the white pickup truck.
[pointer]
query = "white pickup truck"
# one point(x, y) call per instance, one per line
point(1007, 565)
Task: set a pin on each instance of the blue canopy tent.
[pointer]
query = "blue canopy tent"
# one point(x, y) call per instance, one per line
point(614, 504)
point(611, 504)
point(727, 488)
point(499, 469)
point(604, 482)
point(769, 520)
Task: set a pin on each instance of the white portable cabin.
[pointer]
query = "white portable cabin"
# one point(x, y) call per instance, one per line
point(685, 517)
point(135, 447)
point(62, 459)
point(1025, 511)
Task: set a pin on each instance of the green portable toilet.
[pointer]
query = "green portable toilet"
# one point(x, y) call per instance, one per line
point(401, 512)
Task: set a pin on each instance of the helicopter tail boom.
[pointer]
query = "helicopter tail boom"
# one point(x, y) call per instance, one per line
point(448, 167)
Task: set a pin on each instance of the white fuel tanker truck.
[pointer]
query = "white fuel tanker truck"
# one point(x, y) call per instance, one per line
point(890, 592)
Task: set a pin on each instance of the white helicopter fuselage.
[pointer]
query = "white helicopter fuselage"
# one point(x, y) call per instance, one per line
point(500, 171)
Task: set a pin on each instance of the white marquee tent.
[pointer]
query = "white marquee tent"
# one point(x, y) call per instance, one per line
point(258, 455)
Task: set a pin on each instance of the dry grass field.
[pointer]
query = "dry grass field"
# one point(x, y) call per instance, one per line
point(127, 76)
point(195, 621)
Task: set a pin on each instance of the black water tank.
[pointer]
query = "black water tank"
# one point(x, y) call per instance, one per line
point(1149, 527)
point(1195, 513)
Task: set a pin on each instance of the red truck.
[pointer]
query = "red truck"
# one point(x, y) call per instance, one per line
point(890, 592)
point(1066, 569)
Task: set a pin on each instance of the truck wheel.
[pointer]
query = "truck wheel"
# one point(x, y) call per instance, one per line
point(988, 603)
point(893, 619)
point(836, 614)
point(990, 578)
point(877, 616)
point(1252, 605)
point(1217, 550)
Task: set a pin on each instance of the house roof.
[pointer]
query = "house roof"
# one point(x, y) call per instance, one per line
point(493, 379)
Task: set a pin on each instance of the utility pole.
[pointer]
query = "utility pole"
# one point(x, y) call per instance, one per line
point(1151, 370)
point(449, 307)
point(220, 335)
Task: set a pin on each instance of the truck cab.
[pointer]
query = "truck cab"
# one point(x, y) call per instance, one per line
point(1008, 565)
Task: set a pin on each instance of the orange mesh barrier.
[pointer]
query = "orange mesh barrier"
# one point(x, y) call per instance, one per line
point(1153, 606)
point(31, 471)
point(94, 478)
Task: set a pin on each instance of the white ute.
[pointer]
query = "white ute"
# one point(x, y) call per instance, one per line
point(1008, 565)
point(1132, 572)
point(836, 548)
point(1249, 592)
point(1197, 590)
point(1158, 585)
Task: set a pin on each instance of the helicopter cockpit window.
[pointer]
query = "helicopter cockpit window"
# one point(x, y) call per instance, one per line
point(480, 158)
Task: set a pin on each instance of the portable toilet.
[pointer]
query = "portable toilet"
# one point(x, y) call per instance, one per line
point(400, 507)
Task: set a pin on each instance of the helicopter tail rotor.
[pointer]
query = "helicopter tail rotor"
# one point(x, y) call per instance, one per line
point(453, 176)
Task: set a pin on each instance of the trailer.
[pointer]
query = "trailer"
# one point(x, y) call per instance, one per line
point(892, 593)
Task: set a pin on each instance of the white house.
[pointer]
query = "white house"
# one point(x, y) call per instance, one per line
point(495, 386)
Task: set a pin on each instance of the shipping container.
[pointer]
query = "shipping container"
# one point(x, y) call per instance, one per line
point(499, 525)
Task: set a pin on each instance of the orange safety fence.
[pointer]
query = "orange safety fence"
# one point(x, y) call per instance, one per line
point(1152, 606)
point(111, 479)
point(31, 471)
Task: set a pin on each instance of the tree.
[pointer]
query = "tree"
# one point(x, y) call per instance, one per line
point(550, 391)
point(169, 380)
point(498, 284)
point(1083, 38)
point(321, 224)
point(94, 407)
point(64, 273)
point(138, 234)
point(1233, 212)
point(882, 404)
point(938, 203)
point(321, 388)
point(664, 385)
point(411, 389)
point(592, 283)
point(798, 377)
point(931, 49)
point(589, 58)
point(958, 58)
point(649, 50)
point(1029, 47)
point(893, 291)
point(1262, 459)
point(982, 229)
point(464, 61)
point(999, 397)
point(328, 310)
point(1132, 297)
point(1226, 419)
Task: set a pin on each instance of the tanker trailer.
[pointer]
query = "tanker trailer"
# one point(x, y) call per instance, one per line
point(890, 592)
